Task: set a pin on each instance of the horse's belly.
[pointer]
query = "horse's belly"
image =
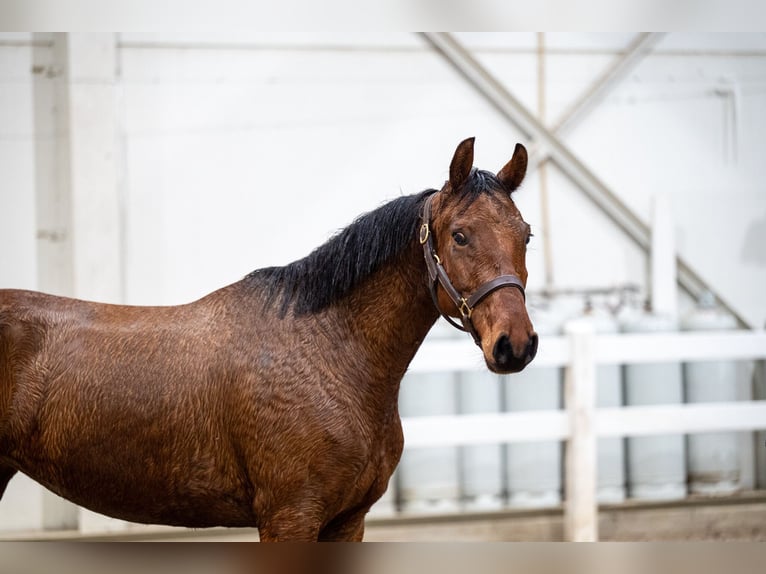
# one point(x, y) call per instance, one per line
point(121, 451)
point(198, 488)
point(138, 499)
point(192, 511)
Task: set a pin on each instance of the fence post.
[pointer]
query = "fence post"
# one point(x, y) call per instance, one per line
point(759, 394)
point(580, 507)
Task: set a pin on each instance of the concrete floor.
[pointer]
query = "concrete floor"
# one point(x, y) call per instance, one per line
point(737, 518)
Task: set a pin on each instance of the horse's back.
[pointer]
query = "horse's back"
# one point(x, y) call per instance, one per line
point(67, 349)
point(33, 328)
point(27, 319)
point(22, 326)
point(26, 316)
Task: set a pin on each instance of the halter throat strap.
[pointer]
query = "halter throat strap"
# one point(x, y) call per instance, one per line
point(437, 275)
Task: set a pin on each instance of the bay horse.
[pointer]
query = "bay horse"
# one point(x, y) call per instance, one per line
point(272, 402)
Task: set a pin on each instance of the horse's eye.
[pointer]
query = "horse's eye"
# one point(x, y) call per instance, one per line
point(530, 236)
point(460, 238)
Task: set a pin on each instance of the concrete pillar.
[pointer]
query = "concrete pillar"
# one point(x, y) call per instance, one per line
point(759, 394)
point(78, 201)
point(18, 268)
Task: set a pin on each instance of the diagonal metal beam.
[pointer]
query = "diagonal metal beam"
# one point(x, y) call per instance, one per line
point(606, 200)
point(640, 47)
point(620, 67)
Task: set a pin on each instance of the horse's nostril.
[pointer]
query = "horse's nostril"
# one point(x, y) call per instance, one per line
point(506, 360)
point(532, 346)
point(503, 351)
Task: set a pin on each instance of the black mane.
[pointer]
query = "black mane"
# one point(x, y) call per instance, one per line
point(334, 269)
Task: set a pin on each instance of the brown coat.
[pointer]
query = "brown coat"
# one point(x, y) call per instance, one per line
point(271, 402)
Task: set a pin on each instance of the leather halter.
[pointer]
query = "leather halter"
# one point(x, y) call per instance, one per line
point(438, 276)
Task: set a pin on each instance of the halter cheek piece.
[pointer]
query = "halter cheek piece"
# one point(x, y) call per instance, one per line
point(437, 275)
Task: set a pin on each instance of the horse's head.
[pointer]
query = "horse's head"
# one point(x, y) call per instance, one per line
point(475, 248)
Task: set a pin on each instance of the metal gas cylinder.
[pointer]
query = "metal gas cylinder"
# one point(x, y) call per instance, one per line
point(611, 455)
point(714, 458)
point(428, 478)
point(533, 470)
point(481, 466)
point(656, 464)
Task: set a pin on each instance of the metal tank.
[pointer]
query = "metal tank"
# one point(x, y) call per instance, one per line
point(656, 464)
point(428, 478)
point(610, 450)
point(481, 470)
point(714, 457)
point(533, 470)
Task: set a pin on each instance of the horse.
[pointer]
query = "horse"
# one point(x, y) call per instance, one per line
point(271, 402)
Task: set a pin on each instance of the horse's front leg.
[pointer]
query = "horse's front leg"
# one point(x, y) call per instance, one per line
point(290, 524)
point(6, 474)
point(345, 528)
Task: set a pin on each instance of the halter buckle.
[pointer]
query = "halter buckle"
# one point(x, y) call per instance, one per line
point(424, 232)
point(465, 309)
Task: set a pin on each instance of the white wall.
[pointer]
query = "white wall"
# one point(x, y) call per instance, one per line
point(343, 125)
point(18, 266)
point(239, 152)
point(245, 157)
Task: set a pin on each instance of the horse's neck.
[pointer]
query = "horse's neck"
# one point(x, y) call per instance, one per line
point(391, 313)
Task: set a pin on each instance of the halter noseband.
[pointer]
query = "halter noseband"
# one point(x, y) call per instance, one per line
point(437, 274)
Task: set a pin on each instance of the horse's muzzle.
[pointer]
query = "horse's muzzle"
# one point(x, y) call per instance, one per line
point(506, 360)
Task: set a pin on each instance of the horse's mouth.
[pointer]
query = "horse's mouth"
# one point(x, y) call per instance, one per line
point(509, 369)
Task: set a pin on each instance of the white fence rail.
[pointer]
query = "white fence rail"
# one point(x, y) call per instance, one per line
point(580, 423)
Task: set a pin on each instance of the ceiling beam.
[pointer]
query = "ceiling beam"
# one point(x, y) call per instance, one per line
point(596, 190)
point(640, 47)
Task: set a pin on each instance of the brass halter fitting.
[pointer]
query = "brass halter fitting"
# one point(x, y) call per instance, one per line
point(424, 233)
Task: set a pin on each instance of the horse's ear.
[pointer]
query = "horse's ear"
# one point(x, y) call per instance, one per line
point(513, 172)
point(461, 165)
